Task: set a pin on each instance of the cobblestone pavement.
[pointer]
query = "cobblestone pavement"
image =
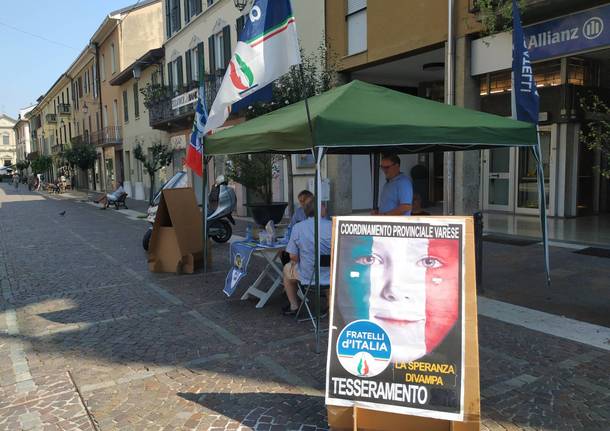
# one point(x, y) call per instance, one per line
point(90, 340)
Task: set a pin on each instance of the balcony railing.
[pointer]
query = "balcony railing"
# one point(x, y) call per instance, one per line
point(51, 118)
point(63, 109)
point(160, 113)
point(84, 139)
point(107, 136)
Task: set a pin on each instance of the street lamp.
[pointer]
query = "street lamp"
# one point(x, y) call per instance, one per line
point(240, 4)
point(137, 72)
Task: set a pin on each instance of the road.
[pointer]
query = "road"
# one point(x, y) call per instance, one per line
point(90, 340)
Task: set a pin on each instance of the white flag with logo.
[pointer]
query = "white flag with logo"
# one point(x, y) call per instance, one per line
point(267, 47)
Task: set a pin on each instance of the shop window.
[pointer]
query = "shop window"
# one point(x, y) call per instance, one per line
point(576, 71)
point(356, 26)
point(547, 74)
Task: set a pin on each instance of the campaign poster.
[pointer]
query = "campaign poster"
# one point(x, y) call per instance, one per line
point(396, 340)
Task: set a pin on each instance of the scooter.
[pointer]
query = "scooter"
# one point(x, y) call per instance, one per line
point(222, 201)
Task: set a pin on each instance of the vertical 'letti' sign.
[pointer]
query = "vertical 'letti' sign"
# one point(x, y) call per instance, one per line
point(397, 335)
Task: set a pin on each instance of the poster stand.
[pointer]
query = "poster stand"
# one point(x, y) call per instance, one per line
point(361, 419)
point(176, 242)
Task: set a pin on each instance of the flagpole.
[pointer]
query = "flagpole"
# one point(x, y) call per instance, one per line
point(318, 158)
point(542, 206)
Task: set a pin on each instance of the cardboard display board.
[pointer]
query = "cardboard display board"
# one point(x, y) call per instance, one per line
point(403, 344)
point(177, 237)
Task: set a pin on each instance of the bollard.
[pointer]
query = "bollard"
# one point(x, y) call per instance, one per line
point(478, 248)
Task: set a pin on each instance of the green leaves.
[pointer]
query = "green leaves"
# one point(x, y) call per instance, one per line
point(595, 133)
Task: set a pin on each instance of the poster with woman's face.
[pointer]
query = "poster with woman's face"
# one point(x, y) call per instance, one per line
point(396, 337)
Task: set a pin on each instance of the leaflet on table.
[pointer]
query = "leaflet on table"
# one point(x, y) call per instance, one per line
point(396, 340)
point(240, 257)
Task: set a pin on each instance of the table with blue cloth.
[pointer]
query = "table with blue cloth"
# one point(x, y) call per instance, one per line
point(241, 251)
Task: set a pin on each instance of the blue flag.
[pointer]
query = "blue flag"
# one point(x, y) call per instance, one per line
point(525, 100)
point(195, 149)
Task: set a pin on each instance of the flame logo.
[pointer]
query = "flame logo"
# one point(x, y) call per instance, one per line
point(236, 79)
point(363, 367)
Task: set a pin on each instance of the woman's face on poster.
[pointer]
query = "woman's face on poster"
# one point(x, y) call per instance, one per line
point(407, 286)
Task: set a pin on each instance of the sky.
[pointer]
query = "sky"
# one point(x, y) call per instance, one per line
point(29, 65)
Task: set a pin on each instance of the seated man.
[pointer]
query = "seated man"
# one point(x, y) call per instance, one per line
point(298, 216)
point(299, 213)
point(111, 196)
point(302, 255)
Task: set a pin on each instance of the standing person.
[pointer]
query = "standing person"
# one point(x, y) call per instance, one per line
point(16, 180)
point(397, 193)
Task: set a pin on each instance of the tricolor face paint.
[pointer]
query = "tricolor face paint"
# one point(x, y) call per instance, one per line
point(408, 286)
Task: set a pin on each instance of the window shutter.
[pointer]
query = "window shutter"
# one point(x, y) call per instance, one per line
point(226, 37)
point(187, 14)
point(168, 19)
point(180, 72)
point(170, 75)
point(212, 63)
point(199, 6)
point(136, 100)
point(189, 65)
point(239, 26)
point(200, 62)
point(178, 20)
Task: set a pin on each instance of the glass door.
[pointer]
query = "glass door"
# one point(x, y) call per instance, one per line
point(498, 192)
point(527, 184)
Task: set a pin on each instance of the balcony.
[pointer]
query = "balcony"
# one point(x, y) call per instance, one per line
point(107, 136)
point(162, 116)
point(51, 118)
point(63, 109)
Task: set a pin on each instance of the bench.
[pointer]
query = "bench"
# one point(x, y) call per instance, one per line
point(120, 201)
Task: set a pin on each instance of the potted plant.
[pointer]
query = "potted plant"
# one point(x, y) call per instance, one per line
point(256, 173)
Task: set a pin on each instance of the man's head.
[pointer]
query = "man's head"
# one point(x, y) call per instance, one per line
point(390, 165)
point(304, 196)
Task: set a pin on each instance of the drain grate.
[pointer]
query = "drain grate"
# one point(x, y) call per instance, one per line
point(595, 251)
point(510, 240)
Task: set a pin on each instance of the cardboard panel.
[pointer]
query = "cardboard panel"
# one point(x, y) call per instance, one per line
point(342, 418)
point(176, 244)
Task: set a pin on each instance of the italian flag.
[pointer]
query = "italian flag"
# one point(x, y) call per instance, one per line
point(268, 46)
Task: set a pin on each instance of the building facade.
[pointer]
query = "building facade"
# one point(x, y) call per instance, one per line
point(8, 156)
point(22, 135)
point(143, 74)
point(200, 37)
point(123, 37)
point(444, 57)
point(86, 112)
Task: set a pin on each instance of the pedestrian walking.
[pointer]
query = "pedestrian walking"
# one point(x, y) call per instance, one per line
point(16, 181)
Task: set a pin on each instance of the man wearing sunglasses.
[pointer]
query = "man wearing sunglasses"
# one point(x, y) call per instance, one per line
point(397, 193)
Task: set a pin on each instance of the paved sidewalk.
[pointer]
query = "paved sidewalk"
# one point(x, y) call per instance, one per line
point(89, 339)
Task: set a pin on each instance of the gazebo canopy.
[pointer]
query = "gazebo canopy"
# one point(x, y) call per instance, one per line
point(363, 118)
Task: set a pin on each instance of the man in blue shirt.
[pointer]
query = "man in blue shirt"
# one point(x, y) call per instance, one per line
point(302, 255)
point(397, 193)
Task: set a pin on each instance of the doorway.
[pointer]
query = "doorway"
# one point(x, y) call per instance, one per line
point(510, 178)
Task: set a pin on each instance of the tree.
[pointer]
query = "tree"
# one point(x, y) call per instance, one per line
point(42, 164)
point(81, 156)
point(22, 165)
point(595, 133)
point(496, 15)
point(255, 171)
point(318, 74)
point(160, 156)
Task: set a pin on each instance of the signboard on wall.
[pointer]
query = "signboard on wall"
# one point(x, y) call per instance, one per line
point(178, 141)
point(558, 37)
point(397, 337)
point(572, 33)
point(185, 99)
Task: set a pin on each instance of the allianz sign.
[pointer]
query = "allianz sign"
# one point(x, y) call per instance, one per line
point(578, 32)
